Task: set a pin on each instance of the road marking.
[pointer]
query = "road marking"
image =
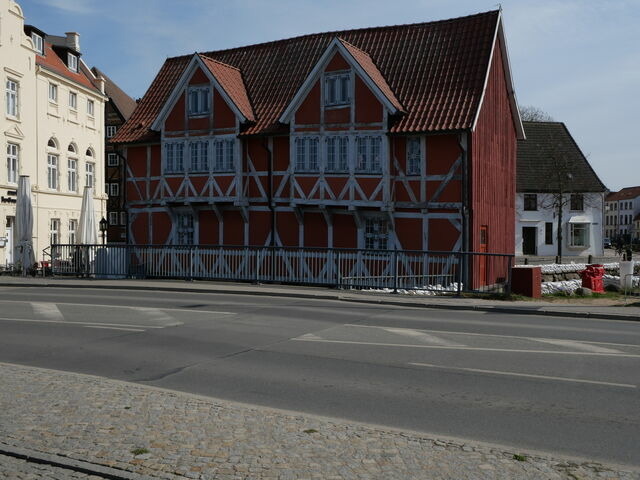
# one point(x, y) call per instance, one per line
point(80, 324)
point(478, 349)
point(114, 328)
point(157, 314)
point(520, 337)
point(527, 375)
point(576, 345)
point(48, 310)
point(421, 336)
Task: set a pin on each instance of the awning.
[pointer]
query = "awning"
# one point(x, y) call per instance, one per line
point(579, 219)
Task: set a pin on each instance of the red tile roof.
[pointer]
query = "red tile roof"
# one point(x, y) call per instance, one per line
point(627, 193)
point(230, 79)
point(51, 61)
point(435, 70)
point(368, 66)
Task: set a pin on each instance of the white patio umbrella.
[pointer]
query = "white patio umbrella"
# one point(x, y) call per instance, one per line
point(88, 234)
point(23, 233)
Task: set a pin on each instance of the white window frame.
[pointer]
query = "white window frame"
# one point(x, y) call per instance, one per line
point(174, 157)
point(12, 88)
point(90, 107)
point(113, 218)
point(72, 174)
point(38, 42)
point(414, 156)
point(73, 100)
point(307, 154)
point(337, 88)
point(198, 100)
point(73, 229)
point(572, 235)
point(336, 153)
point(366, 149)
point(199, 156)
point(113, 160)
point(53, 92)
point(89, 174)
point(376, 233)
point(114, 189)
point(13, 163)
point(72, 62)
point(185, 228)
point(52, 171)
point(223, 154)
point(54, 231)
point(111, 131)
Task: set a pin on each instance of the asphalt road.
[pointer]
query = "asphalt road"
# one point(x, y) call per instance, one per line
point(561, 385)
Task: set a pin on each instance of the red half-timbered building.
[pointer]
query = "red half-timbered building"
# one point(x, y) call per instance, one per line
point(399, 137)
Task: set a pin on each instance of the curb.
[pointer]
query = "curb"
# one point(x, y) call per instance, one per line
point(67, 463)
point(342, 298)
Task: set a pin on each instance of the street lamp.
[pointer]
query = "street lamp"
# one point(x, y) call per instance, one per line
point(103, 229)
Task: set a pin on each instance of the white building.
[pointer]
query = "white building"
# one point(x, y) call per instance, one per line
point(556, 183)
point(621, 211)
point(53, 131)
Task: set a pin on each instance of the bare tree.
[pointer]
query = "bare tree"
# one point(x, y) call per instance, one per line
point(529, 113)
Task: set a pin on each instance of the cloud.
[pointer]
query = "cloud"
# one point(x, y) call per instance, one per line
point(83, 7)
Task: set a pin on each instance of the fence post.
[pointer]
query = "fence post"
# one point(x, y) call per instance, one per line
point(338, 271)
point(395, 271)
point(257, 265)
point(508, 287)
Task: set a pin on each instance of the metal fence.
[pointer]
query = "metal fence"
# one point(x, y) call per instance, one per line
point(445, 272)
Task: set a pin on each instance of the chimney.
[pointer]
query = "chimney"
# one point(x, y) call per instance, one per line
point(73, 40)
point(101, 84)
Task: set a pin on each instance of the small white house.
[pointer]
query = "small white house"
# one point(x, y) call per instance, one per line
point(556, 188)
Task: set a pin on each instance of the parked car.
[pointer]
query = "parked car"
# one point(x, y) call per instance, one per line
point(607, 242)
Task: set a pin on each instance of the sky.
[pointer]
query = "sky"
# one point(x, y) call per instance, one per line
point(578, 60)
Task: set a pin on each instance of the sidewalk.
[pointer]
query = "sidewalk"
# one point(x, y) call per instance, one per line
point(631, 313)
point(78, 424)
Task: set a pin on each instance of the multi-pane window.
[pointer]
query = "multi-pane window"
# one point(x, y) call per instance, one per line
point(579, 234)
point(199, 156)
point(198, 100)
point(89, 174)
point(12, 163)
point(114, 189)
point(73, 100)
point(376, 233)
point(336, 88)
point(113, 218)
point(52, 171)
point(73, 227)
point(37, 42)
point(224, 155)
point(53, 92)
point(307, 154)
point(174, 157)
point(337, 154)
point(368, 154)
point(414, 156)
point(72, 174)
point(72, 62)
point(112, 159)
point(54, 231)
point(111, 130)
point(548, 233)
point(577, 201)
point(12, 98)
point(90, 107)
point(184, 230)
point(530, 201)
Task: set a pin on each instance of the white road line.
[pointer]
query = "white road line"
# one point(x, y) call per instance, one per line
point(496, 335)
point(478, 349)
point(49, 311)
point(576, 345)
point(80, 324)
point(421, 336)
point(527, 375)
point(157, 314)
point(114, 328)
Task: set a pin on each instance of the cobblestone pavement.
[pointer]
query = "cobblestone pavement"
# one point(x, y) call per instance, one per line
point(167, 434)
point(17, 469)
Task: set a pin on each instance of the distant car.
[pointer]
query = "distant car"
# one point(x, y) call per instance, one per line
point(607, 242)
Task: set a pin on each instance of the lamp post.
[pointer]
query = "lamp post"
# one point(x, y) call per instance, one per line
point(103, 229)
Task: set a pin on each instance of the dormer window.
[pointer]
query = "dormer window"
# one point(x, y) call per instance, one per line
point(198, 100)
point(72, 62)
point(337, 89)
point(38, 43)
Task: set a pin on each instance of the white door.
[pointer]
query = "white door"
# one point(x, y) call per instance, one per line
point(8, 248)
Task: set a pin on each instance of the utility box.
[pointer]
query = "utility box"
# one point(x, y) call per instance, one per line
point(592, 278)
point(526, 280)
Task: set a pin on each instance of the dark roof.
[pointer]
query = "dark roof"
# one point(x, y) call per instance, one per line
point(627, 193)
point(123, 102)
point(436, 71)
point(550, 159)
point(51, 61)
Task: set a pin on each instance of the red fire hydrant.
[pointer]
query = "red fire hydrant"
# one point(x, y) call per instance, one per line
point(592, 278)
